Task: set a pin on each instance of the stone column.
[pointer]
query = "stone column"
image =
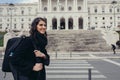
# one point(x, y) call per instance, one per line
point(85, 6)
point(49, 25)
point(74, 5)
point(75, 23)
point(66, 23)
point(58, 6)
point(66, 6)
point(40, 6)
point(85, 22)
point(50, 5)
point(85, 19)
point(58, 23)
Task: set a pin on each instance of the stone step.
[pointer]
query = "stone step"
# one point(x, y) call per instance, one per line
point(76, 40)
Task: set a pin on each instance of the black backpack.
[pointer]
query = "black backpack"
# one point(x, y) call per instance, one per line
point(12, 44)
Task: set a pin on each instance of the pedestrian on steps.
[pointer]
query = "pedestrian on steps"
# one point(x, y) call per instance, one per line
point(113, 48)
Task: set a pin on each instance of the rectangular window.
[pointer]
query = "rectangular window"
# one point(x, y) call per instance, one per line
point(88, 18)
point(22, 26)
point(96, 18)
point(111, 23)
point(118, 10)
point(110, 10)
point(103, 18)
point(95, 10)
point(8, 19)
point(22, 12)
point(103, 9)
point(7, 25)
point(22, 19)
point(14, 26)
point(110, 18)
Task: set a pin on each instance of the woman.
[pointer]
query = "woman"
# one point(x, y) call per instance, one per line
point(30, 57)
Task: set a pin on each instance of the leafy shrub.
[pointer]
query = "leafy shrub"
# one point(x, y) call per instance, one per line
point(1, 38)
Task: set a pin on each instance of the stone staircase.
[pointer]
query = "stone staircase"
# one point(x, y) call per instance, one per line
point(76, 40)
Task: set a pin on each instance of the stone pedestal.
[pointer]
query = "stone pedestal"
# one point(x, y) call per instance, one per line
point(111, 37)
point(7, 36)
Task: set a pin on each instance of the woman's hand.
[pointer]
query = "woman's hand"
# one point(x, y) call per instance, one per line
point(39, 54)
point(38, 67)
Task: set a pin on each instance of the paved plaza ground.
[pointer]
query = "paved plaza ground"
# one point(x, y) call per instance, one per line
point(103, 65)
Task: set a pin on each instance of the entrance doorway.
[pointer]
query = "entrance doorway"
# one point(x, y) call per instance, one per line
point(70, 23)
point(54, 23)
point(80, 23)
point(62, 23)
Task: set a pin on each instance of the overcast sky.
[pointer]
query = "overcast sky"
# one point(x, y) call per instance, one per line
point(30, 1)
point(18, 1)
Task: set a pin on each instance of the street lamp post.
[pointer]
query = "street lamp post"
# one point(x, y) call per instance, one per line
point(113, 3)
point(89, 18)
point(11, 8)
point(9, 34)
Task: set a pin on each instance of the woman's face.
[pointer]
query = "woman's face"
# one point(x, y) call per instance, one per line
point(41, 27)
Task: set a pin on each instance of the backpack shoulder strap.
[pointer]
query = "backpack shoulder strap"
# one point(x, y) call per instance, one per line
point(34, 45)
point(17, 42)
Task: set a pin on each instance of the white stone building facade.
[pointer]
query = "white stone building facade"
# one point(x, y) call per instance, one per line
point(62, 15)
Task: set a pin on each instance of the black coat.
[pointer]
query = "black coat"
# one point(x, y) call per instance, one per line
point(24, 59)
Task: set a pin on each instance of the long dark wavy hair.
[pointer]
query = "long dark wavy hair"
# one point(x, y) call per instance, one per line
point(33, 31)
